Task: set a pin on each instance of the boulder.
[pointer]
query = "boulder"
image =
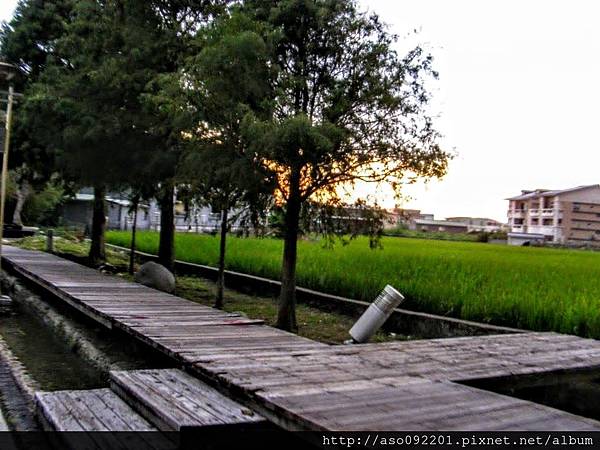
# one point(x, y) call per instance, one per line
point(155, 276)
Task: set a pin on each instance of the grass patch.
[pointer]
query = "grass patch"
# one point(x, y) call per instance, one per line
point(533, 288)
point(74, 248)
point(312, 323)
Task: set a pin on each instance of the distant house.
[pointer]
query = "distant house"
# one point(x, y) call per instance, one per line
point(400, 217)
point(445, 226)
point(77, 211)
point(568, 216)
point(478, 224)
point(414, 219)
point(201, 220)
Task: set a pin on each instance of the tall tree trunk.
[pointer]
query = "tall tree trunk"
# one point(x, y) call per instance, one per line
point(286, 315)
point(221, 276)
point(135, 204)
point(23, 192)
point(166, 245)
point(97, 249)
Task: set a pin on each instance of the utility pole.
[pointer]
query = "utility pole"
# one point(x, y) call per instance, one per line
point(4, 175)
point(7, 71)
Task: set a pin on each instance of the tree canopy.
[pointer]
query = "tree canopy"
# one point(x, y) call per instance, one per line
point(346, 107)
point(217, 165)
point(28, 41)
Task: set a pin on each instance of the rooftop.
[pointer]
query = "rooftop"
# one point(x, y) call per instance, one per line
point(118, 201)
point(446, 223)
point(550, 193)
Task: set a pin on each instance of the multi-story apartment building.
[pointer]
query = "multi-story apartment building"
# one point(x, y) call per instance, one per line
point(569, 216)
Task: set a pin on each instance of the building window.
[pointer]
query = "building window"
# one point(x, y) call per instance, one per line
point(535, 221)
point(576, 207)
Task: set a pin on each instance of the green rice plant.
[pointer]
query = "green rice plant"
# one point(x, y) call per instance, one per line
point(526, 287)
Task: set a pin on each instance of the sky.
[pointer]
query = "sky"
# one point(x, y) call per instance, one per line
point(518, 96)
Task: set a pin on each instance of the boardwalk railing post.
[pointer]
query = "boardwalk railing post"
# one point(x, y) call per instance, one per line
point(50, 241)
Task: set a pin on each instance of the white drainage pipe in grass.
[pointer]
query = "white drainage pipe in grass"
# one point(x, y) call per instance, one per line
point(376, 314)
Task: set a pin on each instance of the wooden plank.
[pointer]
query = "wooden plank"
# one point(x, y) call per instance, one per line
point(92, 412)
point(173, 400)
point(56, 413)
point(89, 410)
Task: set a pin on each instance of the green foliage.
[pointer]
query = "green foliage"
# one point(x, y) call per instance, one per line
point(346, 106)
point(28, 41)
point(109, 53)
point(533, 288)
point(226, 80)
point(42, 208)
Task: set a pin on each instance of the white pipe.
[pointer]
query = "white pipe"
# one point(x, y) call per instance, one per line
point(376, 314)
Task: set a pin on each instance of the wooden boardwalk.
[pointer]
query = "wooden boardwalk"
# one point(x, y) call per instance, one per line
point(301, 384)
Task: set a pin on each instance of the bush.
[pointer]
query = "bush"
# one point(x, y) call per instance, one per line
point(42, 208)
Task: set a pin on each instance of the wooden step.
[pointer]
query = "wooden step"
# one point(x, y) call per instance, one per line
point(172, 400)
point(89, 410)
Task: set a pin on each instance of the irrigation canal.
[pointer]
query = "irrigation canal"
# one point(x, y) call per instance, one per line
point(239, 371)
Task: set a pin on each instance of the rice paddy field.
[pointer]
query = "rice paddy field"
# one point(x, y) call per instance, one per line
point(533, 288)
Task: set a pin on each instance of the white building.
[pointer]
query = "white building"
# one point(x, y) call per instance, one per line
point(568, 216)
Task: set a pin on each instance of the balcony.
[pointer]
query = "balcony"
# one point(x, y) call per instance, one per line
point(518, 213)
point(536, 212)
point(548, 212)
point(546, 230)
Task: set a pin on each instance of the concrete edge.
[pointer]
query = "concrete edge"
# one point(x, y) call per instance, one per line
point(18, 393)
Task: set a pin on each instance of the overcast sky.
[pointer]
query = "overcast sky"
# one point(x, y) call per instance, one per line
point(518, 95)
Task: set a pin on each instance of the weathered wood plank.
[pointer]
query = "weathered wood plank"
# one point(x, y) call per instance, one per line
point(89, 410)
point(173, 400)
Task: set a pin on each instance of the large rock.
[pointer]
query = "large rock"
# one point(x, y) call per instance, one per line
point(155, 276)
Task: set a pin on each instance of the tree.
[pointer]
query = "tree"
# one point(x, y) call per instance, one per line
point(346, 108)
point(217, 165)
point(179, 21)
point(28, 41)
point(222, 178)
point(92, 93)
point(138, 192)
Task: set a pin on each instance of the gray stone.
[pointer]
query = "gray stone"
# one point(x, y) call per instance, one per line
point(155, 276)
